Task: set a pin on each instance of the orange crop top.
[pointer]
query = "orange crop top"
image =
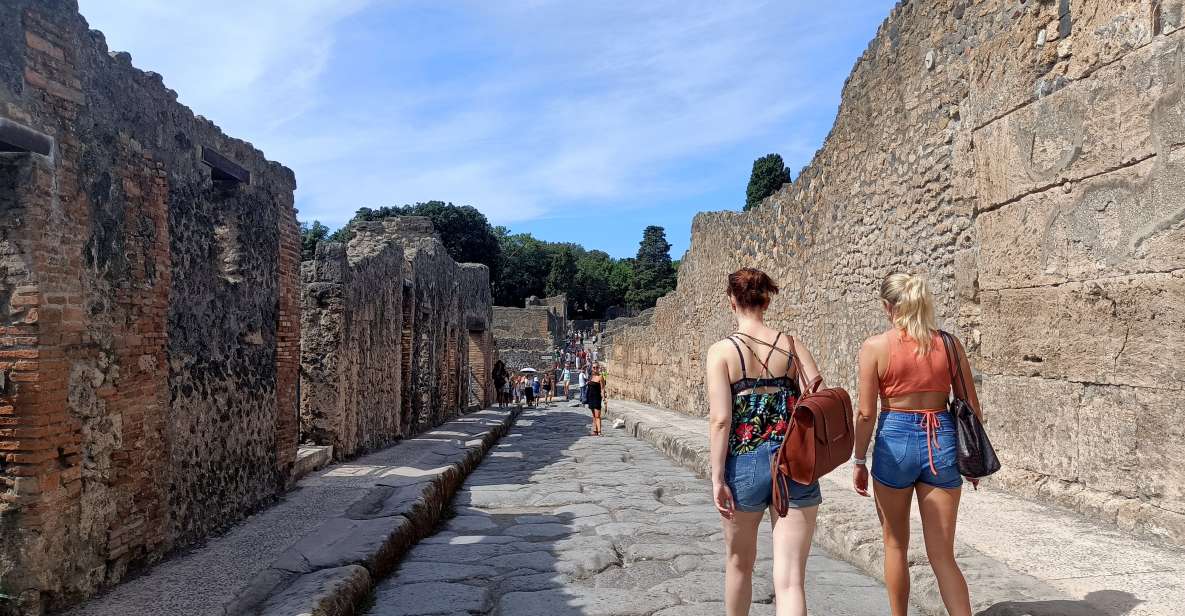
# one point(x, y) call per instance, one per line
point(909, 372)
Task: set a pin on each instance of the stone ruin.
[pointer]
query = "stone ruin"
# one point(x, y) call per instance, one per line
point(396, 337)
point(527, 336)
point(150, 317)
point(1030, 158)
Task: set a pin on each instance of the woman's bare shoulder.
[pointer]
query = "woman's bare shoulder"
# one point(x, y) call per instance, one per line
point(877, 341)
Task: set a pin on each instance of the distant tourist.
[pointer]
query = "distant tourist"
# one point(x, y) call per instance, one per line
point(908, 369)
point(528, 391)
point(750, 389)
point(595, 390)
point(547, 384)
point(501, 385)
point(565, 380)
point(581, 382)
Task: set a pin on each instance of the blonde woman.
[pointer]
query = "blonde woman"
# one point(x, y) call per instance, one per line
point(751, 389)
point(906, 368)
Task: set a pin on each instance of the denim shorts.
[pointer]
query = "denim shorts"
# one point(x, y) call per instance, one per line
point(748, 477)
point(901, 455)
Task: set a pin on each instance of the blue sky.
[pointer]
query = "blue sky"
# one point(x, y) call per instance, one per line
point(575, 121)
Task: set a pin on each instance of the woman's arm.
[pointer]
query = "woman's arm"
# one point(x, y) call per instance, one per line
point(970, 395)
point(809, 368)
point(719, 423)
point(869, 390)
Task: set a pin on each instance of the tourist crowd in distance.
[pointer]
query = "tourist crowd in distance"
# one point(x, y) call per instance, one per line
point(575, 375)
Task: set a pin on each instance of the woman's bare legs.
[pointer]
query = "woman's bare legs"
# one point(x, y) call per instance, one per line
point(740, 548)
point(596, 422)
point(940, 510)
point(892, 505)
point(792, 546)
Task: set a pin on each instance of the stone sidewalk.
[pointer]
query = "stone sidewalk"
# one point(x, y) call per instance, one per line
point(559, 523)
point(320, 546)
point(1020, 558)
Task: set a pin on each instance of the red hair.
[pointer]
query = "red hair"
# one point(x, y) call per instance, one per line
point(751, 288)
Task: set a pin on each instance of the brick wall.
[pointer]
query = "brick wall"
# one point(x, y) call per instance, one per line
point(1030, 162)
point(147, 370)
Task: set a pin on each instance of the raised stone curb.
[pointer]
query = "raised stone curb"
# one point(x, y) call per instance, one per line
point(848, 528)
point(311, 458)
point(331, 569)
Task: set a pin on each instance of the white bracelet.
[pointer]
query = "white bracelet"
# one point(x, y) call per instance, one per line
point(860, 461)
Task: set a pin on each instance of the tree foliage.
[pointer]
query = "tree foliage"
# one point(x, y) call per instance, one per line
point(464, 231)
point(769, 173)
point(310, 234)
point(654, 274)
point(522, 265)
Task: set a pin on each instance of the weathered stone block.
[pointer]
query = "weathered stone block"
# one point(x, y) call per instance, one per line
point(1110, 225)
point(1122, 113)
point(1033, 423)
point(1109, 332)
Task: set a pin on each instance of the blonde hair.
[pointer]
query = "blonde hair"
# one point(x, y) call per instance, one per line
point(913, 307)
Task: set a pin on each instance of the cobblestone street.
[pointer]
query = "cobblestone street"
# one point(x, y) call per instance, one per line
point(556, 522)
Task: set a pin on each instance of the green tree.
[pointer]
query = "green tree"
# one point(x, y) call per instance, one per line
point(769, 173)
point(465, 232)
point(309, 236)
point(592, 293)
point(524, 263)
point(562, 276)
point(654, 275)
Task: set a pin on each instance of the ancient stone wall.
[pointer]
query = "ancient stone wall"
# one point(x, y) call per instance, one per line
point(1028, 157)
point(393, 329)
point(526, 336)
point(352, 320)
point(148, 271)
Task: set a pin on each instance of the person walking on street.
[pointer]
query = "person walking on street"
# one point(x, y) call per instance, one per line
point(565, 379)
point(907, 367)
point(748, 419)
point(581, 383)
point(500, 377)
point(595, 394)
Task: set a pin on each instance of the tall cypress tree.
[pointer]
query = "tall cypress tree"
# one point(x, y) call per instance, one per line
point(769, 173)
point(654, 274)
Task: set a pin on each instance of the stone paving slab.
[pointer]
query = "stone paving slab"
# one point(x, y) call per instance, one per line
point(555, 522)
point(1020, 558)
point(317, 550)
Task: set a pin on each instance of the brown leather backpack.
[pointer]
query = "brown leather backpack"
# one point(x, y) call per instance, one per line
point(819, 437)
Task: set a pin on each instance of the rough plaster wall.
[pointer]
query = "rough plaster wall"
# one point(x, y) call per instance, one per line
point(143, 306)
point(1028, 161)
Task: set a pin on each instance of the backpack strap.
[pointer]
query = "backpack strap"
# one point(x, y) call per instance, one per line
point(807, 388)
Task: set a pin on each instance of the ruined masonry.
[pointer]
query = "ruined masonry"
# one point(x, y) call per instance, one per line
point(396, 337)
point(150, 316)
point(1030, 158)
point(527, 336)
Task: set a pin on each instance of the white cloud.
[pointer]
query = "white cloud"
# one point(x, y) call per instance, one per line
point(521, 108)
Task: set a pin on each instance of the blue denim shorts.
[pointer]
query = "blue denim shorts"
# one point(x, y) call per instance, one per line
point(748, 477)
point(903, 449)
